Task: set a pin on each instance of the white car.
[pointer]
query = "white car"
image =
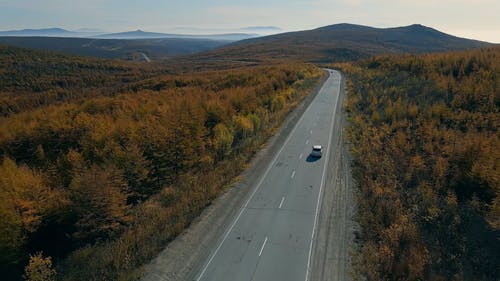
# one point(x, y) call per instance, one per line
point(317, 151)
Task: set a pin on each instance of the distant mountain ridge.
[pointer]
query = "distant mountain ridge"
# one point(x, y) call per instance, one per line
point(140, 34)
point(139, 49)
point(342, 42)
point(136, 34)
point(40, 32)
point(339, 42)
point(130, 45)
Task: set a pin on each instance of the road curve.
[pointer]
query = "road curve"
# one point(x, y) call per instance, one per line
point(273, 235)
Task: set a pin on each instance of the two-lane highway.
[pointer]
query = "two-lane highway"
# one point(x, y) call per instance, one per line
point(272, 236)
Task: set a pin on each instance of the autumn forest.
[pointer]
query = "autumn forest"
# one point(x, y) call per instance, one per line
point(424, 133)
point(104, 162)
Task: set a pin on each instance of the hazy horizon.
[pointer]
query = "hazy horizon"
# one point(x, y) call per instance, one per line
point(474, 20)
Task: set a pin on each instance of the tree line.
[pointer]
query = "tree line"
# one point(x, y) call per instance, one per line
point(424, 133)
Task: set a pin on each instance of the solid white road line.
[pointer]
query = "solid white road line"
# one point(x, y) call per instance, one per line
point(263, 245)
point(321, 188)
point(281, 203)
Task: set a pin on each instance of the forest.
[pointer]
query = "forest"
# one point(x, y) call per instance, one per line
point(102, 163)
point(32, 79)
point(424, 135)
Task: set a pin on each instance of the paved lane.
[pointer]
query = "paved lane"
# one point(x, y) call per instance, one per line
point(271, 237)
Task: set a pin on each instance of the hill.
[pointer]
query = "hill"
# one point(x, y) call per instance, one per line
point(339, 42)
point(139, 34)
point(342, 42)
point(32, 79)
point(137, 49)
point(39, 32)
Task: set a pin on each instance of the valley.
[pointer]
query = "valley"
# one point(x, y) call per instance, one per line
point(139, 156)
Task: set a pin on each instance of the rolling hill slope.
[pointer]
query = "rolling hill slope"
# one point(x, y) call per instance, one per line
point(339, 42)
point(139, 34)
point(116, 48)
point(342, 42)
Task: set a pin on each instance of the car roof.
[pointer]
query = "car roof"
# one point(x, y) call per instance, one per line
point(316, 146)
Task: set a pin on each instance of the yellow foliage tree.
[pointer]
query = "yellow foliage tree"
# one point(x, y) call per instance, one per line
point(24, 200)
point(39, 268)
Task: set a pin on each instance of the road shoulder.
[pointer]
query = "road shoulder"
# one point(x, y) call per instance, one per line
point(335, 230)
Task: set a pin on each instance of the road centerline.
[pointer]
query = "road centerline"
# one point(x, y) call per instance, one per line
point(281, 203)
point(263, 245)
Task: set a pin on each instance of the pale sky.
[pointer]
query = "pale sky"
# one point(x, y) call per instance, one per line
point(475, 19)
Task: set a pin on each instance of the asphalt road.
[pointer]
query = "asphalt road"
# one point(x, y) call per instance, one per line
point(273, 235)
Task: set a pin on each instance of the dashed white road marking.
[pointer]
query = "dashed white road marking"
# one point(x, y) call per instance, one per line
point(281, 203)
point(263, 245)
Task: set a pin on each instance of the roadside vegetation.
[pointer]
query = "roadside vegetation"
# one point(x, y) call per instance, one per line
point(426, 145)
point(102, 163)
